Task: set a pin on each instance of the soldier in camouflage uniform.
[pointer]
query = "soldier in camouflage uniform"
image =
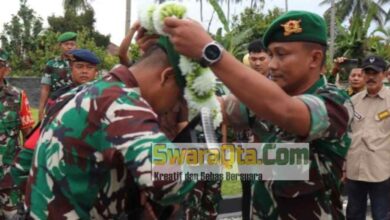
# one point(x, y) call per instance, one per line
point(99, 144)
point(84, 69)
point(15, 119)
point(202, 202)
point(298, 106)
point(57, 73)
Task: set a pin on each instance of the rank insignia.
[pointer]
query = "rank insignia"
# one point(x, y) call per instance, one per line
point(382, 115)
point(291, 27)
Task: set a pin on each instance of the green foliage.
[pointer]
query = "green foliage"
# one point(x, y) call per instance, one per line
point(221, 15)
point(48, 48)
point(256, 20)
point(20, 36)
point(376, 45)
point(134, 52)
point(72, 21)
point(76, 5)
point(251, 25)
point(248, 26)
point(30, 47)
point(84, 41)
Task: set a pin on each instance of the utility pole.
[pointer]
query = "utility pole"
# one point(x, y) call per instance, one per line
point(128, 16)
point(286, 5)
point(332, 29)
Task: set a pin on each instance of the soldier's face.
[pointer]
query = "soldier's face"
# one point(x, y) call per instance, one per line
point(356, 79)
point(291, 65)
point(83, 72)
point(259, 62)
point(68, 46)
point(373, 80)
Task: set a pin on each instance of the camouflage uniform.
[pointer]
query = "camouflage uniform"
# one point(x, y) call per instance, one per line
point(203, 201)
point(331, 113)
point(15, 116)
point(93, 150)
point(57, 74)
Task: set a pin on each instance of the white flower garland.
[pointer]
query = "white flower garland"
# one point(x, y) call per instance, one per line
point(201, 82)
point(167, 9)
point(145, 18)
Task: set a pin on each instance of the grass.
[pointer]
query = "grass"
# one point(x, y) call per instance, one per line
point(229, 188)
point(34, 112)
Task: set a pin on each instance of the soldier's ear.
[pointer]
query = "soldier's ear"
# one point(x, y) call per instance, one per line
point(317, 56)
point(166, 75)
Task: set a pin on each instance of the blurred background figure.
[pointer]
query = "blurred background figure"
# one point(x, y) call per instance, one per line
point(356, 81)
point(258, 57)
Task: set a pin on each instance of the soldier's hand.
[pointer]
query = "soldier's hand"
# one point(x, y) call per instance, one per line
point(135, 26)
point(145, 40)
point(336, 64)
point(188, 36)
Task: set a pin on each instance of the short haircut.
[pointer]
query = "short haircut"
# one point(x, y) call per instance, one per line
point(256, 46)
point(154, 56)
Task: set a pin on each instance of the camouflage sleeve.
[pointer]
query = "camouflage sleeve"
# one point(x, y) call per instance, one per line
point(46, 77)
point(236, 113)
point(138, 128)
point(21, 166)
point(331, 112)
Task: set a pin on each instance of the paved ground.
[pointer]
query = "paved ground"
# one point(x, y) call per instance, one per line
point(230, 208)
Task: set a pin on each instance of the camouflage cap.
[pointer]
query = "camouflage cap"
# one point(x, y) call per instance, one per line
point(4, 56)
point(84, 55)
point(173, 58)
point(297, 26)
point(67, 36)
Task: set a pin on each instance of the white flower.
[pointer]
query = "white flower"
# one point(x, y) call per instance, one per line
point(186, 65)
point(167, 9)
point(204, 83)
point(195, 105)
point(217, 119)
point(146, 18)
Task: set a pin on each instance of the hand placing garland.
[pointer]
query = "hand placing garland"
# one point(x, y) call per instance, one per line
point(200, 82)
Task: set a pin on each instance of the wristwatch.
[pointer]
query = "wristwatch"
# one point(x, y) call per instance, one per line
point(211, 53)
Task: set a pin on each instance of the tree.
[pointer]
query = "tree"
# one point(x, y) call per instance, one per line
point(355, 8)
point(249, 25)
point(20, 36)
point(76, 5)
point(352, 41)
point(71, 21)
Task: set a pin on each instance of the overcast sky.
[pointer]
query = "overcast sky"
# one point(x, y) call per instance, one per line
point(110, 14)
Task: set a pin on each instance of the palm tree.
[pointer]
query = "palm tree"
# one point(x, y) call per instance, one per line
point(348, 8)
point(385, 31)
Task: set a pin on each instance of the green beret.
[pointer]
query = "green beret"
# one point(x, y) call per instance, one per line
point(4, 56)
point(173, 58)
point(297, 26)
point(67, 36)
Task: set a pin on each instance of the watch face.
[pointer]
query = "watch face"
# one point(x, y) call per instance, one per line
point(212, 52)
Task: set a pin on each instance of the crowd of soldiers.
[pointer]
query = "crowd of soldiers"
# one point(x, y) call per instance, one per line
point(90, 155)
